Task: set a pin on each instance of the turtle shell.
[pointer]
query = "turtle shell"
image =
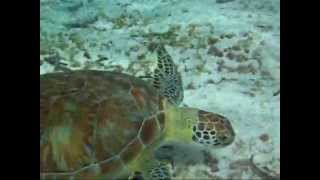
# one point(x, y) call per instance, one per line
point(94, 122)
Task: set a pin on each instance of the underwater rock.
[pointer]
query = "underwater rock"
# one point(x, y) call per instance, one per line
point(53, 59)
point(212, 40)
point(190, 86)
point(236, 47)
point(215, 51)
point(223, 1)
point(210, 161)
point(81, 24)
point(230, 55)
point(264, 137)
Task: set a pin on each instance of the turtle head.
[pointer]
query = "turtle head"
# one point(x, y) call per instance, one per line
point(207, 128)
point(195, 125)
point(212, 129)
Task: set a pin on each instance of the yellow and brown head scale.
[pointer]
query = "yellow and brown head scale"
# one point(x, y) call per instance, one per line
point(212, 129)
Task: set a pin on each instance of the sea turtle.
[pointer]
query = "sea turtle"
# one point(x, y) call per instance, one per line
point(107, 125)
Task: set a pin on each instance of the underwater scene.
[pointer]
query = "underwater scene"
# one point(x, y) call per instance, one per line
point(160, 89)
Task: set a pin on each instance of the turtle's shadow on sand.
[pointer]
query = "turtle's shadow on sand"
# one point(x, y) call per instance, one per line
point(182, 154)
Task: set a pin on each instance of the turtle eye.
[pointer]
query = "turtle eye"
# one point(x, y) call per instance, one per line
point(223, 138)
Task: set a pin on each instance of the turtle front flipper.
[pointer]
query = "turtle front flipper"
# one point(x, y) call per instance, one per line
point(137, 175)
point(158, 170)
point(166, 78)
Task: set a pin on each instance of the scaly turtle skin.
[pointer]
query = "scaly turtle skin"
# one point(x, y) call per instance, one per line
point(106, 125)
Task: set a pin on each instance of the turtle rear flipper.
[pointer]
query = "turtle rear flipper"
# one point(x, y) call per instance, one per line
point(161, 171)
point(158, 170)
point(166, 78)
point(136, 176)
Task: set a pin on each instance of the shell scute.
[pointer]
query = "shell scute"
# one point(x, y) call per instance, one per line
point(149, 130)
point(89, 117)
